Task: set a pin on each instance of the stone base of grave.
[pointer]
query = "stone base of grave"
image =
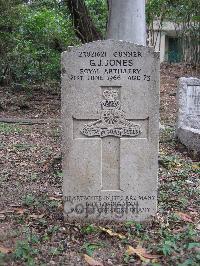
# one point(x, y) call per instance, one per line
point(85, 220)
point(117, 218)
point(190, 137)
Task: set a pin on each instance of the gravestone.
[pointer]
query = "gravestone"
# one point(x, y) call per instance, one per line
point(188, 118)
point(110, 103)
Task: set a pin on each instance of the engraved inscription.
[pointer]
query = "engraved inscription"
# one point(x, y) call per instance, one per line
point(112, 121)
point(117, 205)
point(99, 66)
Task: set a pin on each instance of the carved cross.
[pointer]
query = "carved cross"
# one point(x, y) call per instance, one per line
point(111, 126)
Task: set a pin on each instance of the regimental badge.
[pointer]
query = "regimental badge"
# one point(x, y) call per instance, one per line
point(112, 121)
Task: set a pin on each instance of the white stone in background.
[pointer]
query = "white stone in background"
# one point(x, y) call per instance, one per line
point(188, 117)
point(110, 115)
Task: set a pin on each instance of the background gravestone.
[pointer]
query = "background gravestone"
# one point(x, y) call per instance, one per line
point(110, 103)
point(188, 118)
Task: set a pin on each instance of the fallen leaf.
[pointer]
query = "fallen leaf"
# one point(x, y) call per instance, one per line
point(14, 210)
point(53, 198)
point(5, 250)
point(58, 194)
point(2, 217)
point(19, 210)
point(138, 252)
point(111, 233)
point(196, 166)
point(36, 216)
point(194, 213)
point(198, 226)
point(142, 254)
point(185, 217)
point(10, 211)
point(91, 261)
point(15, 205)
point(178, 230)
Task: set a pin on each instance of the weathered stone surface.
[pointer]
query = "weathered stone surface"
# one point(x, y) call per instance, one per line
point(188, 118)
point(110, 103)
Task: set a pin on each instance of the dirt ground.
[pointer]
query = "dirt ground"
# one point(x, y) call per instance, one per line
point(33, 231)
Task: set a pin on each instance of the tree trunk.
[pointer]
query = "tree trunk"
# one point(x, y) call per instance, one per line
point(127, 21)
point(83, 24)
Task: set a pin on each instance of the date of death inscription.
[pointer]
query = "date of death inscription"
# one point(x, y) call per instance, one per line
point(108, 205)
point(98, 66)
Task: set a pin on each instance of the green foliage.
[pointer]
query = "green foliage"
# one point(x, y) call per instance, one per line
point(186, 16)
point(56, 251)
point(167, 247)
point(89, 229)
point(31, 49)
point(33, 35)
point(22, 146)
point(168, 161)
point(7, 129)
point(25, 250)
point(30, 200)
point(45, 33)
point(99, 12)
point(193, 245)
point(155, 9)
point(91, 247)
point(176, 11)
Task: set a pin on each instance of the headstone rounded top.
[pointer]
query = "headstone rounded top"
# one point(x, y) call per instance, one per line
point(108, 44)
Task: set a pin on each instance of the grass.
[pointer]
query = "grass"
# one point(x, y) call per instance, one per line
point(22, 146)
point(7, 129)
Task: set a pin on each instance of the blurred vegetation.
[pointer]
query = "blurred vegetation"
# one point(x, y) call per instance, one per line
point(99, 13)
point(32, 36)
point(186, 18)
point(33, 33)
